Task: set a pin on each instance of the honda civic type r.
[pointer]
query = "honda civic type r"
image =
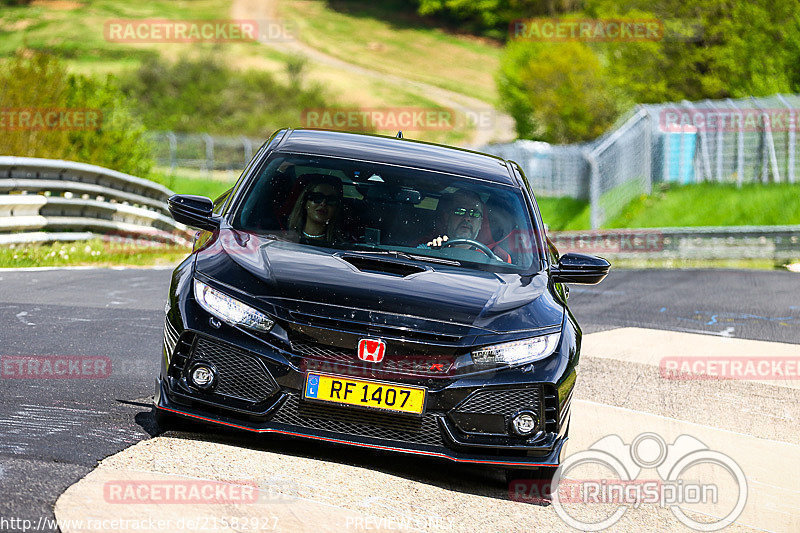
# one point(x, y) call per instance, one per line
point(377, 292)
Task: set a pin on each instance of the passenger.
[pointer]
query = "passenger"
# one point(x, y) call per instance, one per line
point(505, 233)
point(316, 216)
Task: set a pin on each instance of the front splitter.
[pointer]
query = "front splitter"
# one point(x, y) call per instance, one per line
point(163, 403)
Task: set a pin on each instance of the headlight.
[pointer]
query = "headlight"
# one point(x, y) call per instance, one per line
point(229, 310)
point(517, 352)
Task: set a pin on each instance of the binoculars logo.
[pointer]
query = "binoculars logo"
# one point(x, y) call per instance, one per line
point(706, 490)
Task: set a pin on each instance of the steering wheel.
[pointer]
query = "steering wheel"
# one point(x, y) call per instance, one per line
point(474, 245)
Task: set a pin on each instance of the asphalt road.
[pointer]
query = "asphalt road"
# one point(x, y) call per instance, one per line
point(53, 431)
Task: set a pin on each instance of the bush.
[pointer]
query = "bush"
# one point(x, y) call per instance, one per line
point(493, 17)
point(38, 83)
point(556, 92)
point(203, 95)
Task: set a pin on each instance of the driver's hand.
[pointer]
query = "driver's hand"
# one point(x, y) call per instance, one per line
point(437, 242)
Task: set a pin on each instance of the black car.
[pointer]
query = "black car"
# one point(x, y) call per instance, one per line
point(378, 292)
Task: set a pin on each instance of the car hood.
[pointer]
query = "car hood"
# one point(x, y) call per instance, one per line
point(316, 280)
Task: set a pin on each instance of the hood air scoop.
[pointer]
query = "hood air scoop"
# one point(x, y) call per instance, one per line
point(383, 266)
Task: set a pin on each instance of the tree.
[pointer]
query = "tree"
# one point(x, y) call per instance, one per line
point(711, 49)
point(493, 17)
point(38, 84)
point(556, 92)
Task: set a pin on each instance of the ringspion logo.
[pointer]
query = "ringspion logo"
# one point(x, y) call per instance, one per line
point(691, 480)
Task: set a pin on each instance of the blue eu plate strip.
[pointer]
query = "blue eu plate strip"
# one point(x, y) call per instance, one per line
point(312, 386)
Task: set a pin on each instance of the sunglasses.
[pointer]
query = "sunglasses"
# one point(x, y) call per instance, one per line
point(474, 213)
point(318, 197)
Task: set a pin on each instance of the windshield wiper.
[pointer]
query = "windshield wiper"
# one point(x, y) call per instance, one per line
point(411, 257)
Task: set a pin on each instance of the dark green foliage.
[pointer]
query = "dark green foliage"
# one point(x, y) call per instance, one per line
point(711, 49)
point(203, 95)
point(493, 17)
point(557, 94)
point(39, 83)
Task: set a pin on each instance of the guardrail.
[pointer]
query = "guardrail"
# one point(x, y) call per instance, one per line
point(45, 200)
point(779, 243)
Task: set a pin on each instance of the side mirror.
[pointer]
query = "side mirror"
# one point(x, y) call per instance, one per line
point(194, 211)
point(580, 268)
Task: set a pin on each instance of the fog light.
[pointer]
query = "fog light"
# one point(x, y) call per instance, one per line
point(524, 423)
point(202, 376)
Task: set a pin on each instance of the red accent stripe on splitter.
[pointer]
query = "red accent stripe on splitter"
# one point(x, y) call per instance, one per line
point(363, 445)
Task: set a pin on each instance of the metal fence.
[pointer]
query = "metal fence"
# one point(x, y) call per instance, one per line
point(201, 151)
point(725, 141)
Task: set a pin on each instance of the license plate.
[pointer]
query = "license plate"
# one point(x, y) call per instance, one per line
point(364, 393)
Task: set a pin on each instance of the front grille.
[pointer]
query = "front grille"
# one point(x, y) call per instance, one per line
point(328, 353)
point(240, 374)
point(500, 401)
point(551, 416)
point(433, 365)
point(368, 329)
point(413, 430)
point(170, 337)
point(489, 411)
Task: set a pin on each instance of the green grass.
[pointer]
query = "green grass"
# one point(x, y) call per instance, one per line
point(181, 184)
point(388, 36)
point(94, 252)
point(704, 204)
point(557, 213)
point(711, 204)
point(77, 33)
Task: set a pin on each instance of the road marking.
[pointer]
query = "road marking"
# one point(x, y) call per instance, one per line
point(21, 317)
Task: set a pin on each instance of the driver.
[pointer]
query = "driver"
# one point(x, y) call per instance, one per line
point(462, 218)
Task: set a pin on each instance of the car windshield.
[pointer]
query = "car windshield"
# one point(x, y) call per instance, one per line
point(390, 210)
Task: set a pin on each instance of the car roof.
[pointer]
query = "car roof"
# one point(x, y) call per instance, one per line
point(391, 150)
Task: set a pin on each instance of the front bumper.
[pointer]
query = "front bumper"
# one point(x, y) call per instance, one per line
point(475, 434)
point(287, 406)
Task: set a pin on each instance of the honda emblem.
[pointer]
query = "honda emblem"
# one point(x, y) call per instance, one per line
point(371, 350)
